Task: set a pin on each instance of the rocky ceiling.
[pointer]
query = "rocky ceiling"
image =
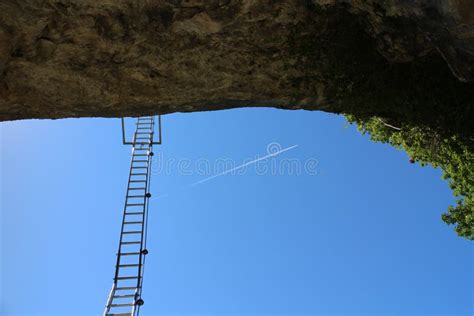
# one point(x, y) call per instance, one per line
point(399, 59)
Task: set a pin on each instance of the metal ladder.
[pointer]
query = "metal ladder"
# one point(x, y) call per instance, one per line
point(125, 296)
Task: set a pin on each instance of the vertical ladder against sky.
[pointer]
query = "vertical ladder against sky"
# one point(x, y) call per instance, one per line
point(125, 296)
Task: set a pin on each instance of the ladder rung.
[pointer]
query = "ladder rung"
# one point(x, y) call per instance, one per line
point(140, 167)
point(130, 242)
point(142, 137)
point(132, 232)
point(135, 196)
point(139, 160)
point(137, 188)
point(129, 253)
point(128, 265)
point(121, 305)
point(126, 288)
point(134, 213)
point(127, 278)
point(135, 204)
point(137, 180)
point(124, 296)
point(139, 174)
point(133, 222)
point(119, 314)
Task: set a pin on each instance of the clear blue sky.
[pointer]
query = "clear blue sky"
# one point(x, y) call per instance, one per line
point(362, 236)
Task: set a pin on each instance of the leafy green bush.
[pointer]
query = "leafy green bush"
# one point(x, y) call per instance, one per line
point(428, 147)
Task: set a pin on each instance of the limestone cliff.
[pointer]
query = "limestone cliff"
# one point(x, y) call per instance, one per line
point(404, 60)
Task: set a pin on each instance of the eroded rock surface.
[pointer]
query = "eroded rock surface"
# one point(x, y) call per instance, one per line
point(405, 60)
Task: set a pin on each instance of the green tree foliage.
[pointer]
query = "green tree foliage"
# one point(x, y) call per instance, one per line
point(428, 147)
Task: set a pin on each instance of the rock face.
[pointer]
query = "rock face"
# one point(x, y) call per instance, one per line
point(405, 60)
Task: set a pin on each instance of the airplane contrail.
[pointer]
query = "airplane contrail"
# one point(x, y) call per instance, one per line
point(230, 170)
point(242, 166)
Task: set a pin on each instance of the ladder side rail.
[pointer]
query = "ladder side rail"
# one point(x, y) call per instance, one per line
point(110, 298)
point(142, 255)
point(139, 276)
point(145, 218)
point(117, 267)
